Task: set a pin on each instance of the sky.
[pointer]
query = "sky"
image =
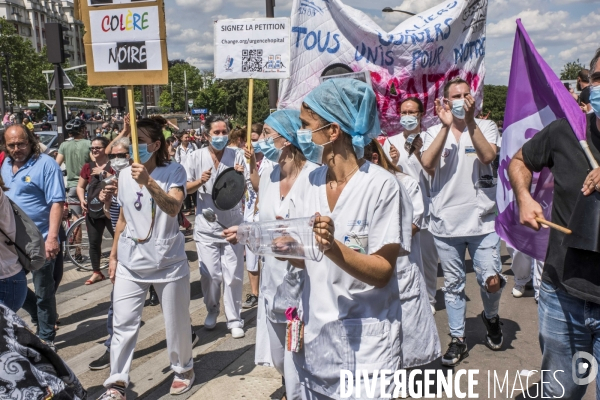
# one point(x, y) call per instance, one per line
point(562, 30)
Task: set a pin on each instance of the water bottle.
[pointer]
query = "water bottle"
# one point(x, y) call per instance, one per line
point(282, 238)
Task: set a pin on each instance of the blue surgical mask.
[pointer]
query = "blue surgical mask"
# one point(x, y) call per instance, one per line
point(219, 142)
point(312, 151)
point(595, 100)
point(256, 147)
point(458, 108)
point(269, 150)
point(409, 122)
point(142, 152)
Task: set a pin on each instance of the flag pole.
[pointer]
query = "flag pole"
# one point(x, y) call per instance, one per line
point(249, 125)
point(133, 124)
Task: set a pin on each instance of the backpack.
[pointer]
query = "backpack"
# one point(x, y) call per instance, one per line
point(95, 206)
point(29, 241)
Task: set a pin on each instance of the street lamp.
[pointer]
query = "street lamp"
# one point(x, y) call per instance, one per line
point(390, 9)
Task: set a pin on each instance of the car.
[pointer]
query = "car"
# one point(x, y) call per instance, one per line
point(50, 139)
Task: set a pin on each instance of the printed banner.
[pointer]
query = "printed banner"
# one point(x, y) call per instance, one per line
point(252, 48)
point(413, 60)
point(536, 97)
point(109, 2)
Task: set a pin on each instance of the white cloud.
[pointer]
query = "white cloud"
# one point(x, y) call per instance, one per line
point(533, 20)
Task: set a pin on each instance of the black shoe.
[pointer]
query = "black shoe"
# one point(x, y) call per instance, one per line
point(102, 362)
point(457, 350)
point(251, 301)
point(153, 297)
point(494, 332)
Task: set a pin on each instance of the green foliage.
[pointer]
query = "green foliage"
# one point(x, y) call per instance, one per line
point(176, 77)
point(215, 98)
point(494, 102)
point(571, 70)
point(260, 108)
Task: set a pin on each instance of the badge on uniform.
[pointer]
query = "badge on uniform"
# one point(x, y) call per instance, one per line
point(294, 334)
point(27, 179)
point(357, 242)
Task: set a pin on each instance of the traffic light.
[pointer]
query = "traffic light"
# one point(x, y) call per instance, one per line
point(116, 96)
point(55, 42)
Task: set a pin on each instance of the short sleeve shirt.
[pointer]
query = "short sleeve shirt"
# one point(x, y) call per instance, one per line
point(459, 206)
point(76, 153)
point(557, 148)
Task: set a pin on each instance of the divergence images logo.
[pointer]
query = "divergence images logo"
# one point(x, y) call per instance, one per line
point(229, 64)
point(308, 7)
point(584, 365)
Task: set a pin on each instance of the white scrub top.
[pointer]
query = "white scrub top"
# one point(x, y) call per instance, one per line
point(280, 283)
point(411, 166)
point(162, 258)
point(195, 164)
point(181, 153)
point(458, 207)
point(250, 197)
point(348, 323)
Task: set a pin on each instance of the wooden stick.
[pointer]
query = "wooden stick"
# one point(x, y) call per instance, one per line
point(133, 124)
point(554, 226)
point(249, 126)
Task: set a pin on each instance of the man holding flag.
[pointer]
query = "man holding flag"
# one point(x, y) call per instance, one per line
point(569, 302)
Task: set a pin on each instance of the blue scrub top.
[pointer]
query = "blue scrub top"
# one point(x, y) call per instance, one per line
point(35, 187)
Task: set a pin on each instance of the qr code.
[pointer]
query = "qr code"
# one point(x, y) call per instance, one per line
point(252, 60)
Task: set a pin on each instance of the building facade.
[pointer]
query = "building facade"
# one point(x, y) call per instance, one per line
point(29, 18)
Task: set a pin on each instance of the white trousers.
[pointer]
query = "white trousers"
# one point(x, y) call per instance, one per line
point(526, 268)
point(283, 360)
point(251, 261)
point(128, 303)
point(429, 255)
point(222, 263)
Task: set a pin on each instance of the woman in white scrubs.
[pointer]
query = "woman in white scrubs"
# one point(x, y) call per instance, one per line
point(350, 301)
point(420, 340)
point(221, 263)
point(412, 110)
point(149, 249)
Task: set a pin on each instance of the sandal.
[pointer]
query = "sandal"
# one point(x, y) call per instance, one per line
point(91, 282)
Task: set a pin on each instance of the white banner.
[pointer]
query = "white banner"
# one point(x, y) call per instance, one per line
point(252, 48)
point(109, 2)
point(123, 24)
point(415, 59)
point(127, 56)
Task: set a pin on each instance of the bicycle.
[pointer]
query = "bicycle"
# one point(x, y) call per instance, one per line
point(77, 245)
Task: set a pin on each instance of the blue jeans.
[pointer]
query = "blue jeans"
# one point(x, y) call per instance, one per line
point(41, 305)
point(485, 252)
point(13, 290)
point(567, 325)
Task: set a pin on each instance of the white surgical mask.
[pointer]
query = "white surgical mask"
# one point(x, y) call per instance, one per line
point(458, 108)
point(119, 163)
point(409, 122)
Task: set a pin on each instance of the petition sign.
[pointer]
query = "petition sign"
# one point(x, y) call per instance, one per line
point(252, 48)
point(125, 43)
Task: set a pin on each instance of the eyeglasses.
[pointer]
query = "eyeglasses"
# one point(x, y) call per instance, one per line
point(20, 146)
point(413, 113)
point(96, 148)
point(117, 155)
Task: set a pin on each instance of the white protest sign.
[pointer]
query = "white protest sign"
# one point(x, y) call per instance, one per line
point(415, 59)
point(252, 48)
point(125, 25)
point(109, 2)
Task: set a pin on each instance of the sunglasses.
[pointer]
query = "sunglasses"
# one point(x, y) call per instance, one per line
point(96, 148)
point(118, 155)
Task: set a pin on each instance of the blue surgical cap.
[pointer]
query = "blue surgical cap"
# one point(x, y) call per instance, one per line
point(350, 103)
point(286, 123)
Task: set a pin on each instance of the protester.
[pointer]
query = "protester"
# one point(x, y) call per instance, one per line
point(149, 249)
point(583, 85)
point(28, 124)
point(412, 111)
point(185, 148)
point(75, 154)
point(570, 290)
point(171, 148)
point(237, 138)
point(6, 118)
point(35, 182)
point(351, 289)
point(13, 282)
point(457, 153)
point(221, 263)
point(91, 177)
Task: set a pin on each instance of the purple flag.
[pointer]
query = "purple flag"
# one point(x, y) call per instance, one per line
point(536, 97)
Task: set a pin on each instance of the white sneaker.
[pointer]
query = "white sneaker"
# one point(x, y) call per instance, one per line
point(432, 309)
point(237, 333)
point(518, 291)
point(211, 321)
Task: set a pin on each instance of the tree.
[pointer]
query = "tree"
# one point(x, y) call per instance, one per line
point(164, 102)
point(260, 108)
point(176, 76)
point(494, 101)
point(214, 98)
point(571, 70)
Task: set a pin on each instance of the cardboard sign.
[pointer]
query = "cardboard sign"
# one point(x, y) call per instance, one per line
point(415, 59)
point(125, 42)
point(252, 48)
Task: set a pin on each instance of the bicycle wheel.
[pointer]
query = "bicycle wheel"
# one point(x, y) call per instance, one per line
point(77, 247)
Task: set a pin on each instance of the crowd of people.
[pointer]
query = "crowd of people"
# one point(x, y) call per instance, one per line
point(386, 210)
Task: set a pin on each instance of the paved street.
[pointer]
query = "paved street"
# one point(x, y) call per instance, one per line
point(225, 367)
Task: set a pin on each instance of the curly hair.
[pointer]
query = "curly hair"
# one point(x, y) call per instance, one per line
point(31, 138)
